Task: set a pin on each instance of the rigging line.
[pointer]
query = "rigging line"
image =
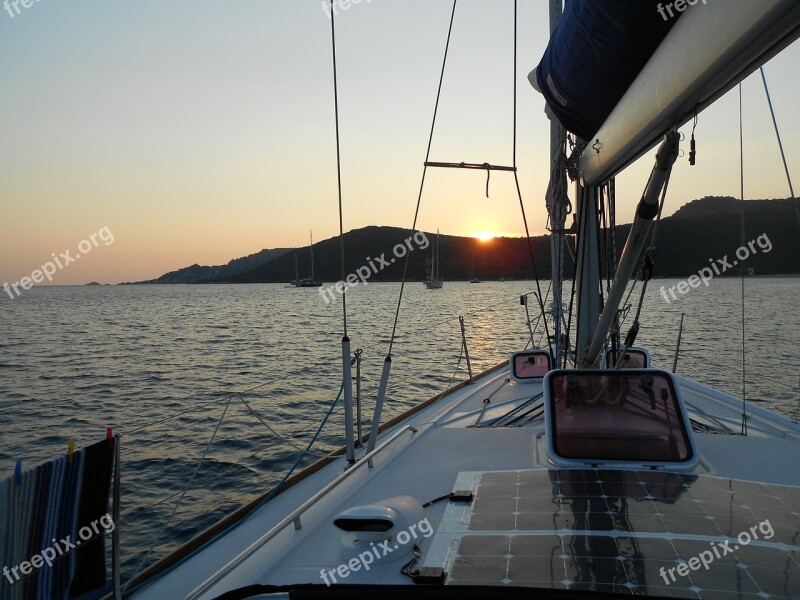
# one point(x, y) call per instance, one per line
point(643, 271)
point(535, 324)
point(598, 225)
point(605, 220)
point(458, 366)
point(253, 455)
point(612, 215)
point(628, 299)
point(611, 249)
point(797, 412)
point(660, 211)
point(652, 246)
point(533, 263)
point(761, 376)
point(455, 317)
point(581, 251)
point(286, 440)
point(741, 268)
point(519, 190)
point(780, 145)
point(770, 338)
point(572, 297)
point(428, 370)
point(514, 129)
point(223, 396)
point(300, 458)
point(424, 173)
point(171, 417)
point(183, 494)
point(228, 466)
point(338, 162)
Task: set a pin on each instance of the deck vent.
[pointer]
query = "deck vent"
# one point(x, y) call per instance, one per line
point(394, 523)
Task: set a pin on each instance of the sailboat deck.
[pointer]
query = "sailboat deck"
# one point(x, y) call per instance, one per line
point(443, 449)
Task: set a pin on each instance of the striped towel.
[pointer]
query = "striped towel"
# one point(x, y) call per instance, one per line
point(53, 502)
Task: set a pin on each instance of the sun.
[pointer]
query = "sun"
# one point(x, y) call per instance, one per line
point(484, 236)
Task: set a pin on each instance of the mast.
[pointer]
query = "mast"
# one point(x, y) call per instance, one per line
point(587, 276)
point(704, 54)
point(436, 258)
point(556, 207)
point(311, 236)
point(472, 274)
point(433, 257)
point(637, 240)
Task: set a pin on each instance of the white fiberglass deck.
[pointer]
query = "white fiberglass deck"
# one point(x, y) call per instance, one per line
point(433, 457)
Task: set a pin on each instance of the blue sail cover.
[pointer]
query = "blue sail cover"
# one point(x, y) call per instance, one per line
point(595, 53)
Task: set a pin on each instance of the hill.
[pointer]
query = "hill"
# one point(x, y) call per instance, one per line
point(198, 274)
point(708, 228)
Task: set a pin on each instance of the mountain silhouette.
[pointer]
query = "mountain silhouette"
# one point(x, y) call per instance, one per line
point(702, 230)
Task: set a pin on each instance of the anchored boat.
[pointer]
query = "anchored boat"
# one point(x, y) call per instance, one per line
point(311, 280)
point(434, 279)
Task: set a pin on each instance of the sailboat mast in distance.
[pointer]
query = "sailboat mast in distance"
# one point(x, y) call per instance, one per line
point(306, 281)
point(434, 280)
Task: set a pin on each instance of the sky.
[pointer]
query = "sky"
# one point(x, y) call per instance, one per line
point(198, 131)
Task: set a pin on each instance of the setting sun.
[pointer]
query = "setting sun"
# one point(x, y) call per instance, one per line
point(484, 236)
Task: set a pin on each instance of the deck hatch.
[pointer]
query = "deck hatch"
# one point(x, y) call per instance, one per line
point(634, 358)
point(631, 417)
point(530, 366)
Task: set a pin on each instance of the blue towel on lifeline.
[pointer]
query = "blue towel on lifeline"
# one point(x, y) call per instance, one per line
point(55, 513)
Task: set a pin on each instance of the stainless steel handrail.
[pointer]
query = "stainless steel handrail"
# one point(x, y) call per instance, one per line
point(293, 517)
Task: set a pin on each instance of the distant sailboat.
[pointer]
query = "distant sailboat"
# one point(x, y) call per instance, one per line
point(308, 282)
point(434, 280)
point(473, 278)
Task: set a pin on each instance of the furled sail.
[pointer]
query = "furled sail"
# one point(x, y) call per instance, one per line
point(621, 75)
point(595, 54)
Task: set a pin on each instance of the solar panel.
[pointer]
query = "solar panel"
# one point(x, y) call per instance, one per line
point(632, 532)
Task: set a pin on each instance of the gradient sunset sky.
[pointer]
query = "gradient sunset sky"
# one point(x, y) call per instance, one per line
point(198, 131)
